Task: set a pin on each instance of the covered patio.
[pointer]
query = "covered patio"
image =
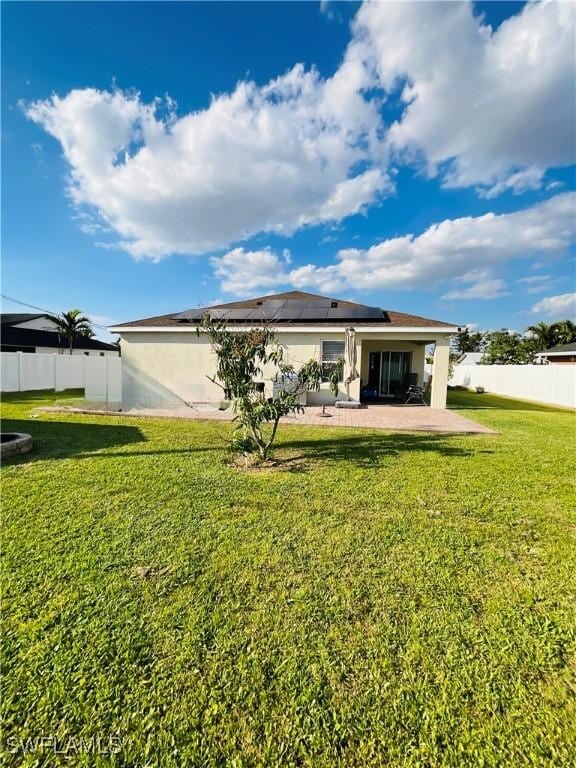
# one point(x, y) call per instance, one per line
point(388, 364)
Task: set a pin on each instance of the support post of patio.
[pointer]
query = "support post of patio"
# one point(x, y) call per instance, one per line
point(440, 373)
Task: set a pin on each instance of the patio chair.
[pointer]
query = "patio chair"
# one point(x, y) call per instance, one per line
point(415, 395)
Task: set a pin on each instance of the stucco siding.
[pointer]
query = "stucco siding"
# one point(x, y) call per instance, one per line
point(164, 369)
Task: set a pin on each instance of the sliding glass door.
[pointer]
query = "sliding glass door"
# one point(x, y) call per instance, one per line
point(388, 372)
point(394, 373)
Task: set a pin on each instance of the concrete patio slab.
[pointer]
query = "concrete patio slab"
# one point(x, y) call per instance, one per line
point(394, 418)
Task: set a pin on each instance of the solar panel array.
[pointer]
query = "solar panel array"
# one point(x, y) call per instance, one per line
point(290, 310)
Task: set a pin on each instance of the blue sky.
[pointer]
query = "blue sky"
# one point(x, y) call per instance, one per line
point(418, 157)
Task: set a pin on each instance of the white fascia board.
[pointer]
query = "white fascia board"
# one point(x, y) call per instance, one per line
point(360, 329)
point(557, 354)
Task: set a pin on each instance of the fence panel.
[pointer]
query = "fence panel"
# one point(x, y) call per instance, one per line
point(553, 384)
point(104, 382)
point(69, 371)
point(100, 377)
point(36, 371)
point(10, 372)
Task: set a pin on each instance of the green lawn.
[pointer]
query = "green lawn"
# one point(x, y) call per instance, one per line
point(390, 600)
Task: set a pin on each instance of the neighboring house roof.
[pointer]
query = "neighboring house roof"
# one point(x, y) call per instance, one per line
point(562, 349)
point(14, 318)
point(292, 307)
point(12, 336)
point(470, 358)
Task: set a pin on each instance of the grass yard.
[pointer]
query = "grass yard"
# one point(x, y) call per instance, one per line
point(390, 600)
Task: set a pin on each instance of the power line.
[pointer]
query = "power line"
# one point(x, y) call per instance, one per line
point(43, 309)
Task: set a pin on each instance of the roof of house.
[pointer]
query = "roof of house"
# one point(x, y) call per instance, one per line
point(12, 336)
point(13, 318)
point(470, 358)
point(292, 307)
point(561, 349)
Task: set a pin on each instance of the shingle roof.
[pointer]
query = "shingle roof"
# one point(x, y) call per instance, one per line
point(13, 318)
point(568, 348)
point(292, 307)
point(13, 336)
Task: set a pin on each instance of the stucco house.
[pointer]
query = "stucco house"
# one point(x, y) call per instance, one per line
point(562, 354)
point(165, 362)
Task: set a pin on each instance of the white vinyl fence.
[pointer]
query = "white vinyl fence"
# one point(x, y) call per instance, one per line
point(100, 377)
point(553, 384)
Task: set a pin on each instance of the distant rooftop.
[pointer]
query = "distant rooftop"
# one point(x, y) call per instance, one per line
point(561, 349)
point(13, 318)
point(291, 307)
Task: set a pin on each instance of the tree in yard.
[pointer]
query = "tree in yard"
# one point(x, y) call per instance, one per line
point(241, 359)
point(544, 335)
point(469, 342)
point(71, 325)
point(506, 348)
point(565, 332)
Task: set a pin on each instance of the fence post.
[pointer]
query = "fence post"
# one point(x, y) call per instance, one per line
point(106, 374)
point(19, 359)
point(55, 370)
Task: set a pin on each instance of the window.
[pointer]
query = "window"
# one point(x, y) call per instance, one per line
point(332, 356)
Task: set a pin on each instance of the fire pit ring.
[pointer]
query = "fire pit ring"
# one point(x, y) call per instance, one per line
point(14, 443)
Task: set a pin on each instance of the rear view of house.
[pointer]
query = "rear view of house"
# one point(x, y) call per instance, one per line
point(165, 362)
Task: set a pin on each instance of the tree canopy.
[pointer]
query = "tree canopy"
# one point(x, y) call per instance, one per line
point(509, 347)
point(71, 325)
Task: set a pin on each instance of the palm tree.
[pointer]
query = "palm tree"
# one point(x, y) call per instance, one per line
point(543, 334)
point(565, 331)
point(71, 325)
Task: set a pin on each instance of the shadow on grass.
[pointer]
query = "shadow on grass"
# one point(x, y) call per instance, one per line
point(365, 451)
point(62, 440)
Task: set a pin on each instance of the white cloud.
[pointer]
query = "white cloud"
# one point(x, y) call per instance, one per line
point(480, 285)
point(556, 307)
point(519, 182)
point(538, 283)
point(463, 250)
point(243, 272)
point(486, 107)
point(296, 151)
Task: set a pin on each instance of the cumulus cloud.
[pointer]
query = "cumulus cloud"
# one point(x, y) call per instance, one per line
point(556, 307)
point(484, 107)
point(463, 250)
point(296, 151)
point(243, 272)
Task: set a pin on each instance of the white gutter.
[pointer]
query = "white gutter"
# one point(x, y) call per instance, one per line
point(190, 328)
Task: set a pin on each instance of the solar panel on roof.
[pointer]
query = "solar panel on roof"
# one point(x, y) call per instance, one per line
point(189, 314)
point(315, 314)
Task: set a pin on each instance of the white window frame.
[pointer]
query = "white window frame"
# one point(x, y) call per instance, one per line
point(324, 362)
